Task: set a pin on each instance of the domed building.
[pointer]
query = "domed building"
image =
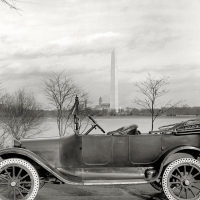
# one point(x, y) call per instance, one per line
point(102, 105)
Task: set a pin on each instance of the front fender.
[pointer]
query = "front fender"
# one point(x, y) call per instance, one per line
point(180, 152)
point(32, 157)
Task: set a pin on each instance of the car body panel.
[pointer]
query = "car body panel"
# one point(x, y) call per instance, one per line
point(70, 151)
point(145, 149)
point(120, 149)
point(97, 150)
point(106, 173)
point(173, 141)
point(46, 148)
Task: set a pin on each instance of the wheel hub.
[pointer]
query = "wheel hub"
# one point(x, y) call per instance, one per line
point(187, 182)
point(13, 183)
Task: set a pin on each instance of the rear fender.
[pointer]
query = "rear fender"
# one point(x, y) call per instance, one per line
point(37, 161)
point(180, 152)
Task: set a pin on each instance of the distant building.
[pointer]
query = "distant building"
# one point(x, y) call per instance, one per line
point(102, 105)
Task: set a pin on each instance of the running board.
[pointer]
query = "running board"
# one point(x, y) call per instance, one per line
point(114, 182)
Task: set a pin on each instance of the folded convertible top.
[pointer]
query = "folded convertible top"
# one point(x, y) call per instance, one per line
point(188, 127)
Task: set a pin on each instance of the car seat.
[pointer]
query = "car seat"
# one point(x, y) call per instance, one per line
point(126, 130)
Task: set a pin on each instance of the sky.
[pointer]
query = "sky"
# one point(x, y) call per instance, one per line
point(160, 37)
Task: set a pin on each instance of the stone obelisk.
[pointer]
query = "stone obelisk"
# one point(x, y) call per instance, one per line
point(114, 101)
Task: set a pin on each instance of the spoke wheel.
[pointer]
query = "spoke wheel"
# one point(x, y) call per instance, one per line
point(18, 180)
point(157, 185)
point(181, 180)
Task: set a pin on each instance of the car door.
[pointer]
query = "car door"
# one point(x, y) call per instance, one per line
point(144, 149)
point(97, 149)
point(120, 145)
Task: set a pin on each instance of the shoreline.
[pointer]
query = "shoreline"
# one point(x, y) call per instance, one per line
point(145, 116)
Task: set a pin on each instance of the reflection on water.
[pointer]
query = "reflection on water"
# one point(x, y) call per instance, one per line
point(113, 123)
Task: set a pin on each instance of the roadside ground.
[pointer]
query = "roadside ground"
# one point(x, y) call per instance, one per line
point(125, 192)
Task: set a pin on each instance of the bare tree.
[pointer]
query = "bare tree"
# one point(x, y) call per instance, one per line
point(153, 89)
point(10, 3)
point(20, 115)
point(61, 92)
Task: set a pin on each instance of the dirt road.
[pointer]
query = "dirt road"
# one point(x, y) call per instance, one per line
point(125, 192)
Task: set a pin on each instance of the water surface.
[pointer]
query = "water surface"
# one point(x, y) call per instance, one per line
point(113, 123)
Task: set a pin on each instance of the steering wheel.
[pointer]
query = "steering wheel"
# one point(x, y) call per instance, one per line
point(96, 123)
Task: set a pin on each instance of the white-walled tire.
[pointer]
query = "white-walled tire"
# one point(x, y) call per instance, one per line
point(181, 179)
point(18, 179)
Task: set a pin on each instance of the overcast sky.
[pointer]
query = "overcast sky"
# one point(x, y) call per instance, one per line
point(160, 37)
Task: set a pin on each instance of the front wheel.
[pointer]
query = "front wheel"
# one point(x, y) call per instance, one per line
point(181, 179)
point(18, 179)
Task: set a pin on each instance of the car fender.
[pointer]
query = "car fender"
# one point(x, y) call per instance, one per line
point(180, 152)
point(32, 157)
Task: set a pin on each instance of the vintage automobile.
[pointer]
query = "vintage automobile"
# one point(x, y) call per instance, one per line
point(168, 159)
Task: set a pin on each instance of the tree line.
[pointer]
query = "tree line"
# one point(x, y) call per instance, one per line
point(176, 111)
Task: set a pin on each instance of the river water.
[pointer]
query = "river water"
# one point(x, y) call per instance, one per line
point(113, 123)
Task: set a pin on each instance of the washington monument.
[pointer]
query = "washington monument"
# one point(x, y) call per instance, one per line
point(114, 99)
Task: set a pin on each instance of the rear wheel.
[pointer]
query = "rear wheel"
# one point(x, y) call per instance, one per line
point(18, 179)
point(181, 180)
